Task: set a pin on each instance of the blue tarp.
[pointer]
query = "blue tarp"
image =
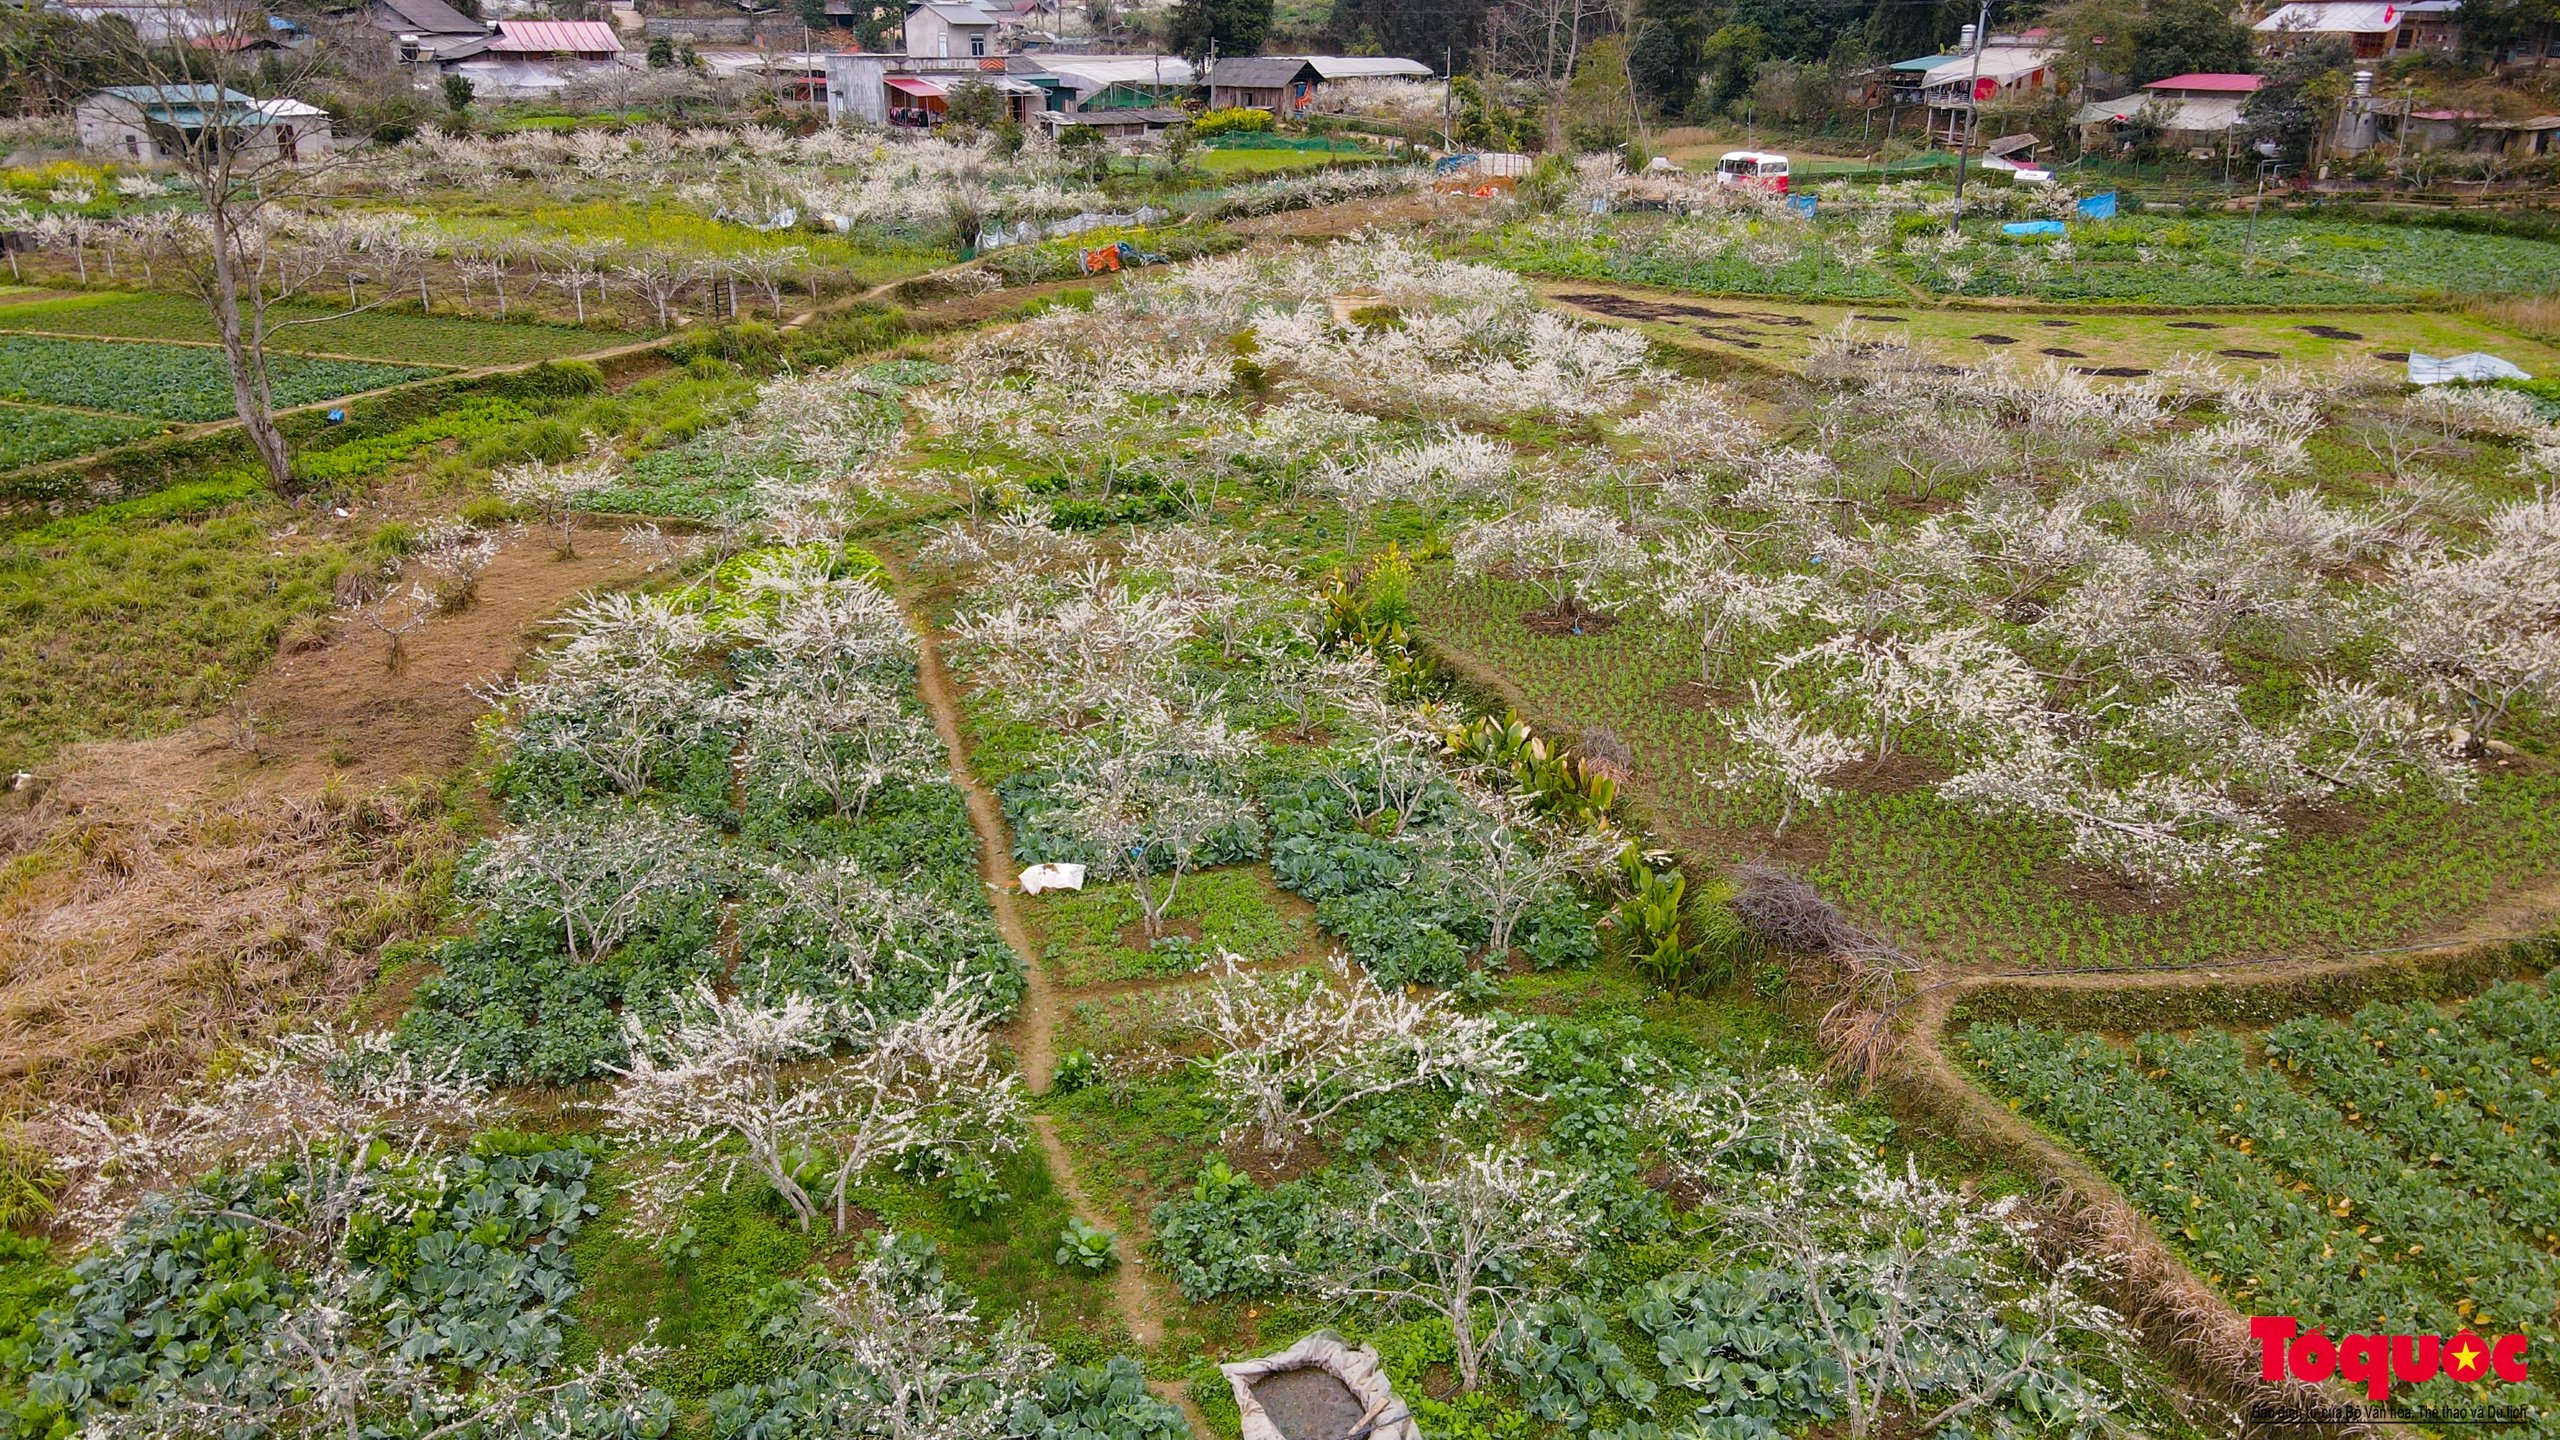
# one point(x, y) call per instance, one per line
point(2032, 227)
point(1803, 204)
point(2099, 207)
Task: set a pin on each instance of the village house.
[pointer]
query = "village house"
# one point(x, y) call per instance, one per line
point(2196, 111)
point(2373, 29)
point(150, 123)
point(1957, 86)
point(1284, 85)
point(531, 58)
point(945, 30)
point(1290, 85)
point(915, 91)
point(425, 33)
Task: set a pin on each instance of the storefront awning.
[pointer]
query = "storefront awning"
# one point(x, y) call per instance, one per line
point(921, 89)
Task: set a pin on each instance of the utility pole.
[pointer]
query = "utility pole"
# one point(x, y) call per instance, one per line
point(1448, 92)
point(2249, 249)
point(1972, 113)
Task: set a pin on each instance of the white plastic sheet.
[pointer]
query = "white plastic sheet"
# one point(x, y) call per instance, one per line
point(1357, 1369)
point(2424, 370)
point(1052, 877)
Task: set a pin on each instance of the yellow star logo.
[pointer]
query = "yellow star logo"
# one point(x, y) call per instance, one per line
point(2466, 1359)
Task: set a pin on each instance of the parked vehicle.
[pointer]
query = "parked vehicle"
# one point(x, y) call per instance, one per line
point(1752, 167)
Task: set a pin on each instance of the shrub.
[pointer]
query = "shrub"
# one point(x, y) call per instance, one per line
point(1232, 120)
point(559, 379)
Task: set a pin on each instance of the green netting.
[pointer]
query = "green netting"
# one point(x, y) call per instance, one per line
point(1264, 140)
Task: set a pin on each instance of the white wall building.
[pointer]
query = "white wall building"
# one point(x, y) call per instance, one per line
point(150, 123)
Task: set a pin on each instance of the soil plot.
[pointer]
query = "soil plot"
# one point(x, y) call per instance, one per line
point(1309, 1403)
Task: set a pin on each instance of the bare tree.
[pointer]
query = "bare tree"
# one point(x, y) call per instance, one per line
point(661, 277)
point(1505, 861)
point(1465, 1241)
point(225, 119)
point(1292, 1051)
point(596, 873)
point(771, 270)
point(1148, 796)
point(553, 492)
point(729, 1086)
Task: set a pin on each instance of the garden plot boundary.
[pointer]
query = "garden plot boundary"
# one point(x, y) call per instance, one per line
point(278, 350)
point(127, 471)
point(1136, 1293)
point(123, 472)
point(2184, 1317)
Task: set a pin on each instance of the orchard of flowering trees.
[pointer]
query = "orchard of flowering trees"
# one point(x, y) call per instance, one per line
point(1385, 1036)
point(2081, 635)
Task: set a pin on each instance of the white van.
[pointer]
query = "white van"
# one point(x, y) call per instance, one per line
point(1752, 167)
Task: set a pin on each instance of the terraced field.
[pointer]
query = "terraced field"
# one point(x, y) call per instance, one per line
point(1780, 333)
point(2387, 1171)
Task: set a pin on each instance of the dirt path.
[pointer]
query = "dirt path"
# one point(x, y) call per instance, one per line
point(1135, 1297)
point(167, 895)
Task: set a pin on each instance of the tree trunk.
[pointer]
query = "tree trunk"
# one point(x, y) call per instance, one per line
point(244, 356)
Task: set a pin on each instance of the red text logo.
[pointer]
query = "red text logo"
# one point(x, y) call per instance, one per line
point(2374, 1361)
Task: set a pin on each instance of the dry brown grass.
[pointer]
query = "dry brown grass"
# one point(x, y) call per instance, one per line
point(132, 945)
point(163, 898)
point(2534, 315)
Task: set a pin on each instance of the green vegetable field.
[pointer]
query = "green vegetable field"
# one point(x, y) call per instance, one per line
point(30, 435)
point(390, 336)
point(167, 382)
point(2391, 1170)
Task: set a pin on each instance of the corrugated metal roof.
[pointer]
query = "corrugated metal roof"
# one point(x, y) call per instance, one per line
point(1258, 72)
point(433, 17)
point(2200, 113)
point(552, 37)
point(1999, 64)
point(1363, 67)
point(176, 94)
point(1096, 72)
point(2332, 17)
point(911, 85)
point(2211, 82)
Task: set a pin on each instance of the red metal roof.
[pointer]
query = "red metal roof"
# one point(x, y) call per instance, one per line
point(551, 37)
point(2220, 83)
point(921, 89)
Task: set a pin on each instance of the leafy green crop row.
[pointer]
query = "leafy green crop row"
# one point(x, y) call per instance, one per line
point(2145, 259)
point(168, 382)
point(2347, 1186)
point(470, 420)
point(515, 1003)
point(180, 1302)
point(29, 436)
point(388, 335)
